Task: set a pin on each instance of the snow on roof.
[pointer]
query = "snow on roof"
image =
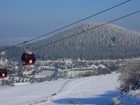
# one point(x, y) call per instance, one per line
point(101, 65)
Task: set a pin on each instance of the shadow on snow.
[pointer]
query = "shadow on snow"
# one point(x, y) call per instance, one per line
point(104, 99)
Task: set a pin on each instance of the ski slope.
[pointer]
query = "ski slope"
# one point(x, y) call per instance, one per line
point(95, 90)
point(22, 94)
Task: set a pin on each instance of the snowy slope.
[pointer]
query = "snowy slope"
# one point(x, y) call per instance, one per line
point(95, 90)
point(29, 92)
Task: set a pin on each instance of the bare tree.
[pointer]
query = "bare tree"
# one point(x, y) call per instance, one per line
point(130, 76)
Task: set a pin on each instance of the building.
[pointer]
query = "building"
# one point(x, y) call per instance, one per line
point(45, 72)
point(79, 72)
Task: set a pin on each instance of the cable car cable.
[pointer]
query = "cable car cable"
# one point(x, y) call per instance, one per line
point(83, 19)
point(78, 21)
point(59, 40)
point(56, 41)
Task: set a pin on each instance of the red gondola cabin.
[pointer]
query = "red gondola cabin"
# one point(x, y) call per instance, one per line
point(28, 58)
point(3, 72)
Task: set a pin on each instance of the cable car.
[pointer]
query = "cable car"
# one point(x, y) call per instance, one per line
point(28, 58)
point(3, 72)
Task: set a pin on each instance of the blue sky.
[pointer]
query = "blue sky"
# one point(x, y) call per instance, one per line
point(24, 19)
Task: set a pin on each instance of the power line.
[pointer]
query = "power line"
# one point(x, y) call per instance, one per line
point(56, 41)
point(79, 21)
point(61, 28)
point(59, 40)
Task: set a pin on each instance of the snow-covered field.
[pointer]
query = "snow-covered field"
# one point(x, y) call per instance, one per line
point(28, 93)
point(90, 90)
point(95, 90)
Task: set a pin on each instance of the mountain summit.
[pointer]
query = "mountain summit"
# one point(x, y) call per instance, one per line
point(105, 42)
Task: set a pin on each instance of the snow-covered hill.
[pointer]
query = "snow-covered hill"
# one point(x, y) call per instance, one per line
point(106, 42)
point(29, 93)
point(96, 90)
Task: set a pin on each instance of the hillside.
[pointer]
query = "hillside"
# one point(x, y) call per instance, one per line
point(106, 42)
point(80, 91)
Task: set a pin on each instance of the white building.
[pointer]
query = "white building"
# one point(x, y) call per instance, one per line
point(78, 72)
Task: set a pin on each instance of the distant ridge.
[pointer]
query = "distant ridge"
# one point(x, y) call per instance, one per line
point(106, 42)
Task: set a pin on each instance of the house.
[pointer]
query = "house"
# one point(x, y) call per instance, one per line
point(79, 72)
point(45, 72)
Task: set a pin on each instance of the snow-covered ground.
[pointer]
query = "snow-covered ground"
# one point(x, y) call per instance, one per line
point(28, 93)
point(95, 90)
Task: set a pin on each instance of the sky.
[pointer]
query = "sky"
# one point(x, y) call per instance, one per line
point(21, 20)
